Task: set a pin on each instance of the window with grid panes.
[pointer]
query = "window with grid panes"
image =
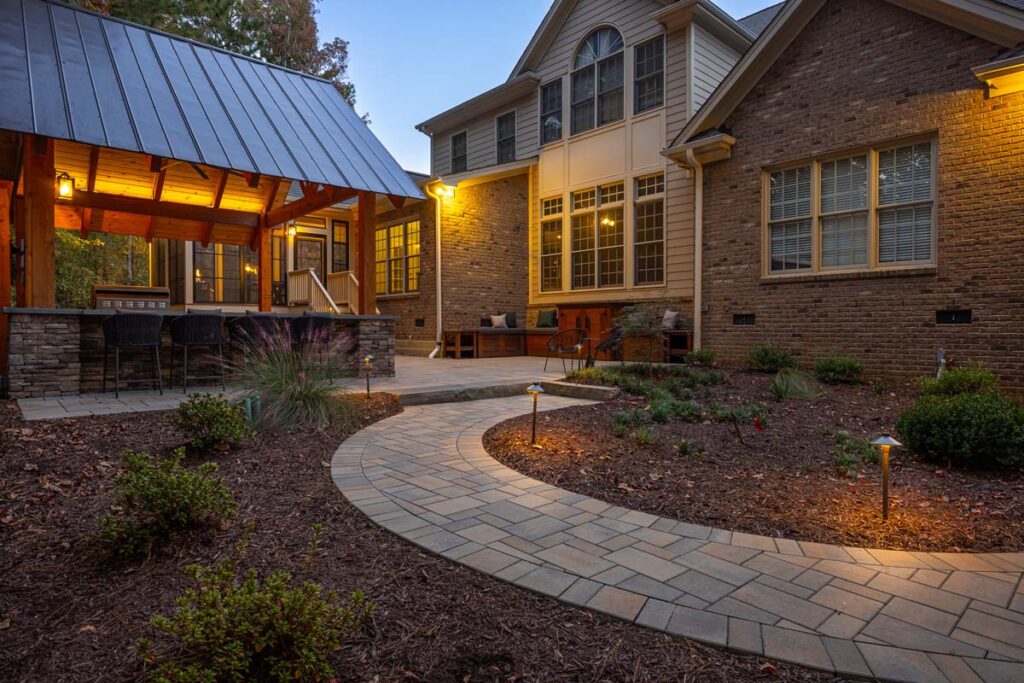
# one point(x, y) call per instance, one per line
point(597, 81)
point(397, 249)
point(506, 135)
point(551, 112)
point(649, 238)
point(551, 245)
point(459, 153)
point(649, 77)
point(598, 240)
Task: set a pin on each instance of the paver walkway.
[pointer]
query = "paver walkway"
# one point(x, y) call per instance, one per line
point(900, 616)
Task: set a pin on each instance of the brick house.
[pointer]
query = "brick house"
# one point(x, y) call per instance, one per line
point(556, 194)
point(863, 186)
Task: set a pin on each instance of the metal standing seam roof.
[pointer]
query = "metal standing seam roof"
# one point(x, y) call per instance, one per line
point(71, 74)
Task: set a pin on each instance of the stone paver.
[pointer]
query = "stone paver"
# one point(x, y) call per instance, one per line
point(866, 613)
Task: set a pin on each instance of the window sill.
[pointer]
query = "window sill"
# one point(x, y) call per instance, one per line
point(915, 271)
point(398, 297)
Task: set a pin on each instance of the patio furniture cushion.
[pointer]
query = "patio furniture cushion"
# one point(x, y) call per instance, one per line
point(547, 318)
point(510, 318)
point(500, 322)
point(670, 320)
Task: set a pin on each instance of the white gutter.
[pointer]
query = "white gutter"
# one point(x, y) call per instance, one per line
point(698, 247)
point(438, 213)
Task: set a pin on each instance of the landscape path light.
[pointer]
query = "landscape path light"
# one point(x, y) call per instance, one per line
point(367, 360)
point(534, 390)
point(885, 444)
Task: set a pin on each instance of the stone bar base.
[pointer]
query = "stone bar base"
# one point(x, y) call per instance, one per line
point(60, 352)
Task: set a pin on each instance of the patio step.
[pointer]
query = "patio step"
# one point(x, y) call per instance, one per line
point(458, 394)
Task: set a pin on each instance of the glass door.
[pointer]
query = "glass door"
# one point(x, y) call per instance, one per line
point(311, 252)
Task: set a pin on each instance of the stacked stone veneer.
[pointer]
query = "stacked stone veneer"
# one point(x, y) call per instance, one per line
point(60, 354)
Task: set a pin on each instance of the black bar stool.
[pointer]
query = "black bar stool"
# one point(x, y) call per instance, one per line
point(132, 331)
point(198, 331)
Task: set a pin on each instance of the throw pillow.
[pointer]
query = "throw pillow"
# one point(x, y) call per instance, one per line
point(510, 318)
point(670, 320)
point(547, 319)
point(499, 322)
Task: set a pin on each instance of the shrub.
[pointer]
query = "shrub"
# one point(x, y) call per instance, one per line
point(212, 421)
point(703, 357)
point(966, 379)
point(771, 358)
point(850, 451)
point(643, 436)
point(234, 626)
point(839, 369)
point(296, 383)
point(156, 498)
point(980, 430)
point(791, 383)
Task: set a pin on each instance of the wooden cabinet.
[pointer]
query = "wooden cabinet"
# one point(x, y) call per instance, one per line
point(595, 320)
point(500, 344)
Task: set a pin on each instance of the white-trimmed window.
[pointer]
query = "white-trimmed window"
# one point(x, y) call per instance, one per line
point(551, 212)
point(597, 81)
point(598, 239)
point(870, 210)
point(551, 112)
point(649, 238)
point(397, 250)
point(649, 75)
point(506, 136)
point(459, 153)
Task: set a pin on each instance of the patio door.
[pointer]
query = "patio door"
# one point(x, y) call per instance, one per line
point(311, 252)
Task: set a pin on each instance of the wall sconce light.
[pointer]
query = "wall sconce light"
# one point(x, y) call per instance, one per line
point(65, 186)
point(534, 390)
point(885, 443)
point(292, 230)
point(445, 191)
point(367, 360)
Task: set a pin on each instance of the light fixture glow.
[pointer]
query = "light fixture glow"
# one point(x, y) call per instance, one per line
point(65, 186)
point(885, 443)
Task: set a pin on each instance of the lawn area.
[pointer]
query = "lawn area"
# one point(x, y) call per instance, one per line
point(719, 448)
point(68, 612)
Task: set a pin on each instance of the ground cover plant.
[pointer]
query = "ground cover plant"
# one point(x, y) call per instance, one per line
point(212, 421)
point(780, 456)
point(67, 614)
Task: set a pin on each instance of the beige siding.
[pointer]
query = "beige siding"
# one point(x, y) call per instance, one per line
point(712, 61)
point(481, 137)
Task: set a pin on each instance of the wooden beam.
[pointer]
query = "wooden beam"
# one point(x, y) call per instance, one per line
point(266, 273)
point(218, 196)
point(396, 201)
point(40, 195)
point(94, 162)
point(252, 179)
point(156, 164)
point(158, 193)
point(199, 169)
point(19, 243)
point(86, 218)
point(275, 187)
point(307, 205)
point(308, 188)
point(366, 270)
point(6, 194)
point(161, 209)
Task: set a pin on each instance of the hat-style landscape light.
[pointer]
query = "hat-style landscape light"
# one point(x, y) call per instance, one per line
point(367, 360)
point(534, 390)
point(885, 443)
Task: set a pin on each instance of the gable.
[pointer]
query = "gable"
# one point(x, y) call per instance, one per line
point(997, 22)
point(632, 18)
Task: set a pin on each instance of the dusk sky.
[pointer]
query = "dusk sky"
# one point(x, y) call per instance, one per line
point(412, 59)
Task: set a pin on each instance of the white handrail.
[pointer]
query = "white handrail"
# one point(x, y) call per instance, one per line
point(344, 289)
point(305, 288)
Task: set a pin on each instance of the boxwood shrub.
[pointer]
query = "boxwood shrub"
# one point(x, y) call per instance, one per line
point(965, 379)
point(839, 369)
point(771, 358)
point(970, 430)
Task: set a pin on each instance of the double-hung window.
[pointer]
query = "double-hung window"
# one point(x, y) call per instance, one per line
point(506, 134)
point(551, 211)
point(870, 210)
point(397, 249)
point(649, 240)
point(551, 112)
point(649, 76)
point(459, 153)
point(597, 81)
point(598, 240)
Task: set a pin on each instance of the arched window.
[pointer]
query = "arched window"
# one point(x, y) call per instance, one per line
point(597, 81)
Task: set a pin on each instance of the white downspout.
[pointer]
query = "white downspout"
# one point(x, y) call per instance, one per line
point(698, 249)
point(438, 213)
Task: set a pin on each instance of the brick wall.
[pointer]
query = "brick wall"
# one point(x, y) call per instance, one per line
point(866, 72)
point(484, 260)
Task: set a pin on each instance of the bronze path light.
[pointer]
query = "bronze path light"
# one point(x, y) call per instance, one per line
point(534, 390)
point(885, 443)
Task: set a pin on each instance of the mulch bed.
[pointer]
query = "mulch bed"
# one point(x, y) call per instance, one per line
point(781, 481)
point(68, 614)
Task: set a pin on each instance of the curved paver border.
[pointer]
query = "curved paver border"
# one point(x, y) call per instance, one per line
point(891, 615)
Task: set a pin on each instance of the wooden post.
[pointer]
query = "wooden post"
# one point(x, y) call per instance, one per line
point(366, 271)
point(40, 197)
point(6, 188)
point(266, 274)
point(19, 242)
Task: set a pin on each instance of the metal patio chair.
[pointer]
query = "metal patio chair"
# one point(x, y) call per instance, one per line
point(565, 344)
point(198, 331)
point(135, 331)
point(611, 344)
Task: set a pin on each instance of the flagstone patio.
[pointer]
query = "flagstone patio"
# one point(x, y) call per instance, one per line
point(416, 380)
point(891, 615)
